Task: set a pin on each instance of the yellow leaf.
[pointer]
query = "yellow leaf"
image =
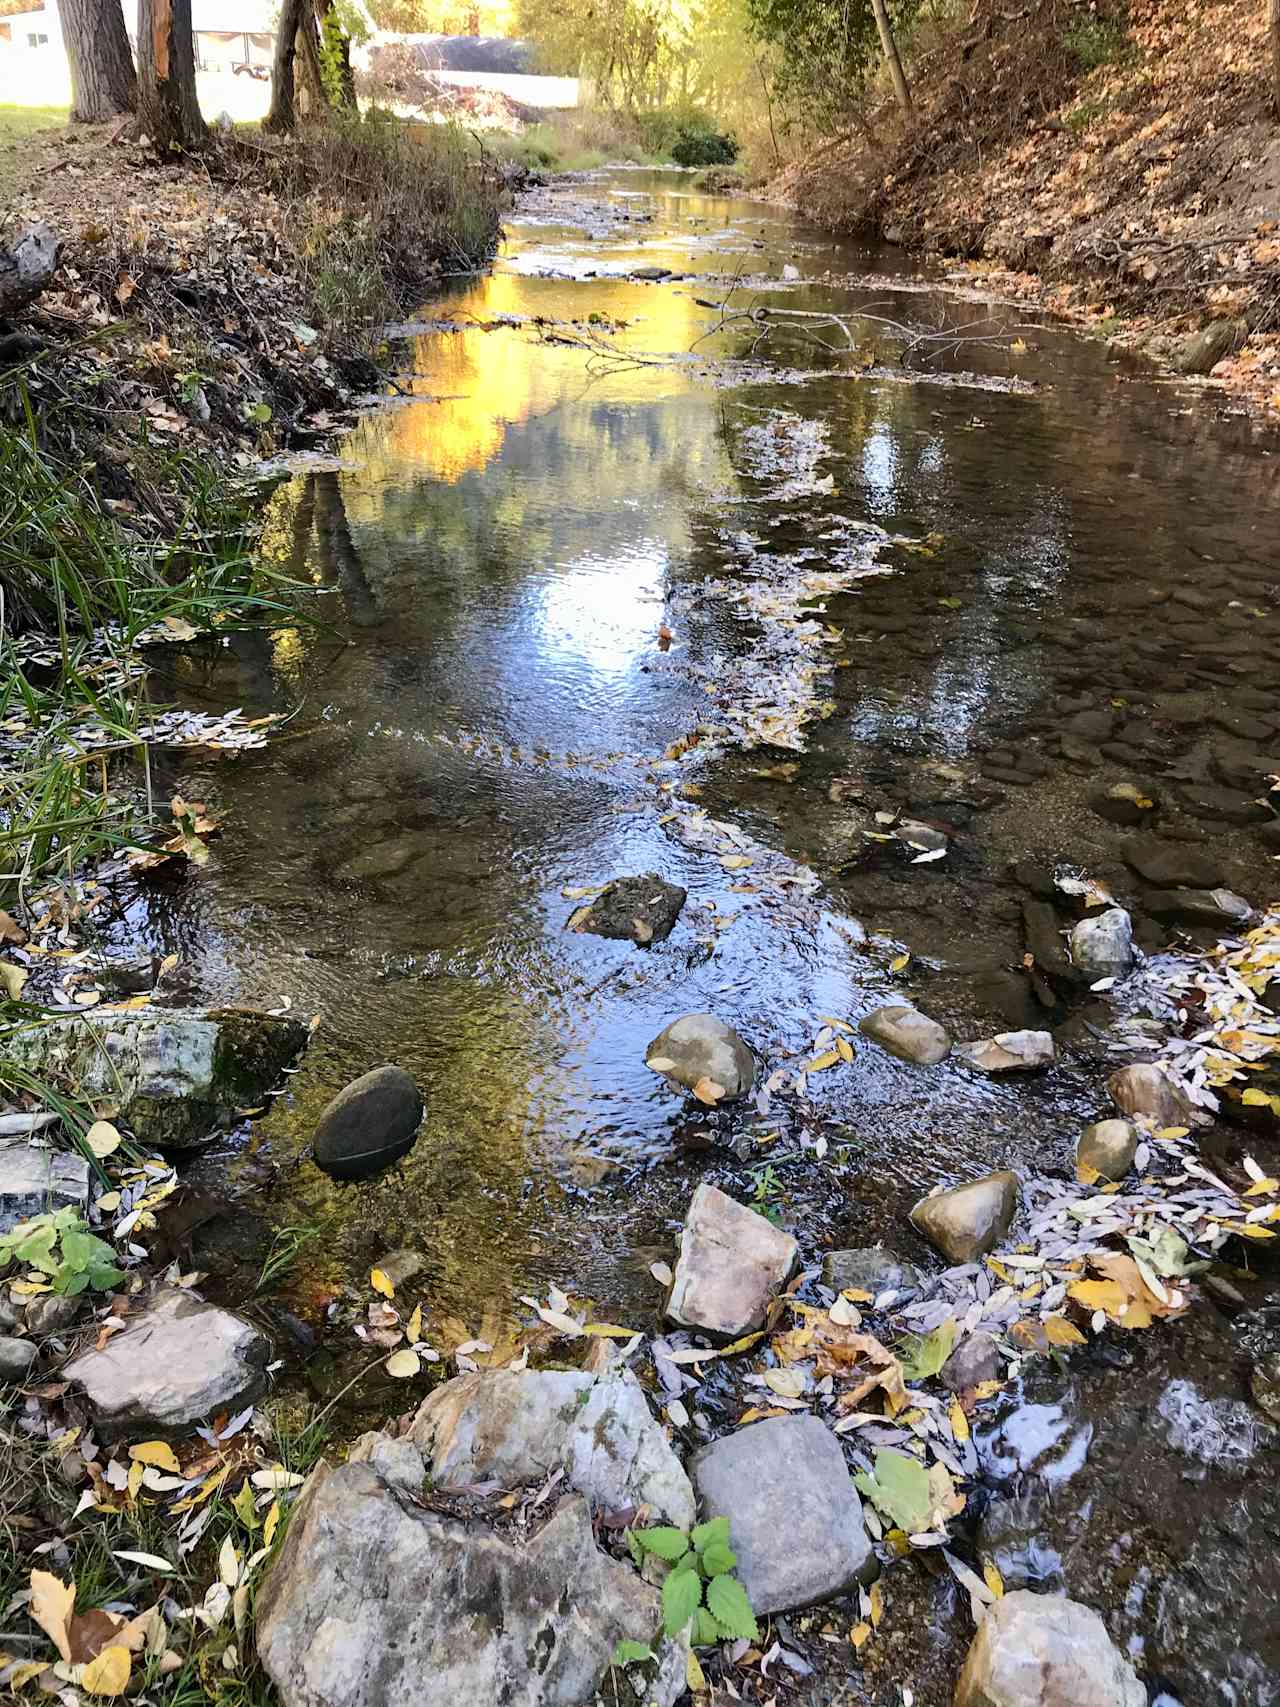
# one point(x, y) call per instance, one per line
point(1019, 347)
point(860, 1634)
point(109, 1673)
point(987, 1389)
point(102, 1138)
point(994, 1581)
point(1172, 1132)
point(403, 1365)
point(272, 1524)
point(1059, 1331)
point(1099, 1295)
point(51, 1605)
point(1254, 1098)
point(900, 963)
point(136, 1472)
point(959, 1422)
point(1086, 1173)
point(13, 978)
point(413, 1331)
point(820, 1063)
point(876, 1597)
point(381, 1282)
point(607, 1330)
point(1263, 1188)
point(159, 1453)
point(845, 1048)
point(1255, 1232)
point(693, 1675)
point(735, 862)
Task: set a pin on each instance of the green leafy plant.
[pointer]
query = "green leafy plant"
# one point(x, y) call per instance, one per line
point(61, 1246)
point(700, 1586)
point(767, 1188)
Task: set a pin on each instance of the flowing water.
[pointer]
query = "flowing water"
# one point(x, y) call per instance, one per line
point(609, 535)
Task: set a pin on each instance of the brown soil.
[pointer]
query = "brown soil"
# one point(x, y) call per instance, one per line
point(1142, 196)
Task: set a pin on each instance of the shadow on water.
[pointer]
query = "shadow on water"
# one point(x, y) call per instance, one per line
point(1082, 585)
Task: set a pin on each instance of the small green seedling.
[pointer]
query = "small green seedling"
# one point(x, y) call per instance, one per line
point(700, 1586)
point(61, 1246)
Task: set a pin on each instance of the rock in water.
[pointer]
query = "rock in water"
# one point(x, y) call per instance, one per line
point(642, 910)
point(1106, 1150)
point(731, 1263)
point(375, 1601)
point(795, 1519)
point(701, 1053)
point(516, 1426)
point(1102, 945)
point(969, 1220)
point(906, 1033)
point(1144, 1088)
point(1173, 865)
point(176, 1075)
point(179, 1363)
point(975, 1360)
point(871, 1269)
point(369, 1125)
point(1010, 1052)
point(33, 1181)
point(1220, 909)
point(1042, 1650)
point(1203, 350)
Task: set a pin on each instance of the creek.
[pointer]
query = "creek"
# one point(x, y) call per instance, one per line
point(609, 536)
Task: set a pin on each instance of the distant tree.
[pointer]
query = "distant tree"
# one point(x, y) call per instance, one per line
point(103, 83)
point(889, 47)
point(168, 107)
point(828, 49)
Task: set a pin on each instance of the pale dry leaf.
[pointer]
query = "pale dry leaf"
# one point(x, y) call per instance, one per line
point(51, 1606)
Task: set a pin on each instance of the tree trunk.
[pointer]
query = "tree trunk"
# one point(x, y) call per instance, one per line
point(308, 81)
point(1273, 15)
point(890, 47)
point(283, 114)
point(103, 84)
point(168, 109)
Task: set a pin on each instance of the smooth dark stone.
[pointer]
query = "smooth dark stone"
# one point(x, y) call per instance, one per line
point(369, 1125)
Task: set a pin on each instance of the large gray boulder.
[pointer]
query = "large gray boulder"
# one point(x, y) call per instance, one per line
point(795, 1519)
point(175, 1075)
point(1042, 1650)
point(179, 1363)
point(376, 1600)
point(699, 1050)
point(33, 1181)
point(969, 1220)
point(519, 1426)
point(731, 1263)
point(369, 1125)
point(1102, 945)
point(906, 1033)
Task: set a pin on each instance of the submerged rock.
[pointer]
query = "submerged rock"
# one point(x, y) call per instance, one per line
point(795, 1518)
point(969, 1220)
point(731, 1263)
point(1042, 1650)
point(376, 1601)
point(1010, 1052)
point(1172, 865)
point(642, 910)
point(1102, 945)
point(907, 1033)
point(976, 1359)
point(180, 1362)
point(1125, 803)
point(517, 1426)
point(1219, 908)
point(870, 1269)
point(1144, 1088)
point(701, 1050)
point(369, 1125)
point(1106, 1150)
point(176, 1075)
point(33, 1181)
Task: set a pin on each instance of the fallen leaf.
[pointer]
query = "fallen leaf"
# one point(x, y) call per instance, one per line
point(381, 1282)
point(157, 1452)
point(51, 1606)
point(109, 1673)
point(403, 1365)
point(11, 930)
point(708, 1091)
point(102, 1138)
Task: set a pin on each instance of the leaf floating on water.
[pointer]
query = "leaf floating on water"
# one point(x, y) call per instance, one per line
point(381, 1282)
point(900, 963)
point(923, 1355)
point(608, 1330)
point(403, 1365)
point(933, 853)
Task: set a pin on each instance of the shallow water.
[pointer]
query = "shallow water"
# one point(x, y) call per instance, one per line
point(1062, 574)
